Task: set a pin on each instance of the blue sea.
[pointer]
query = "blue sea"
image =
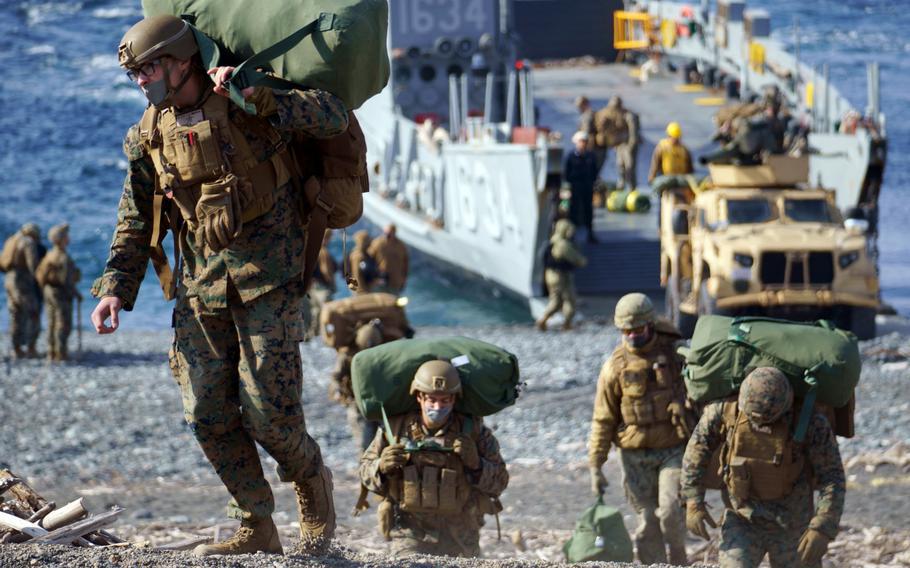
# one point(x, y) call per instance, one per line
point(65, 106)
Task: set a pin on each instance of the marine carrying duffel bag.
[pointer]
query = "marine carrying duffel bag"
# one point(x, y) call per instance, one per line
point(340, 319)
point(381, 376)
point(822, 362)
point(335, 45)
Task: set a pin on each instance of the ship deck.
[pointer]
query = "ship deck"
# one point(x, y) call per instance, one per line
point(628, 256)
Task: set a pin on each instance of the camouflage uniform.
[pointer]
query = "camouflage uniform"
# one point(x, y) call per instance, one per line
point(239, 313)
point(627, 154)
point(391, 257)
point(435, 533)
point(22, 291)
point(650, 453)
point(57, 274)
point(559, 278)
point(752, 528)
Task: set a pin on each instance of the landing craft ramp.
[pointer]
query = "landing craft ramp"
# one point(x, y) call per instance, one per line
point(628, 255)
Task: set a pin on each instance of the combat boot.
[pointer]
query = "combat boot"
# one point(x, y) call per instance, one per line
point(567, 326)
point(18, 353)
point(541, 325)
point(32, 352)
point(253, 536)
point(316, 510)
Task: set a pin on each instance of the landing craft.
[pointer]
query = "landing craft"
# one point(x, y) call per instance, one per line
point(460, 163)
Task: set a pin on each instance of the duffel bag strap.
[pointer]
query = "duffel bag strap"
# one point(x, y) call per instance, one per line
point(319, 210)
point(247, 74)
point(805, 414)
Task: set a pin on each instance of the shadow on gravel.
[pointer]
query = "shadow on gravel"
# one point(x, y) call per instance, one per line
point(98, 359)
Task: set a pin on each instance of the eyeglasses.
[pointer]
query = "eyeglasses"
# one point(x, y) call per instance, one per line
point(144, 70)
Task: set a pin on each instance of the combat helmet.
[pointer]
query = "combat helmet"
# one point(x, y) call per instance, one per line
point(30, 230)
point(58, 232)
point(436, 377)
point(765, 395)
point(633, 310)
point(155, 37)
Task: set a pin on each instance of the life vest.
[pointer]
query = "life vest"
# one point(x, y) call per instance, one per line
point(674, 158)
point(432, 482)
point(653, 397)
point(759, 463)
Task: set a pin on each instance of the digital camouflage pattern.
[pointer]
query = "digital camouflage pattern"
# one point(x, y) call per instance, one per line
point(22, 293)
point(448, 535)
point(561, 283)
point(651, 481)
point(752, 527)
point(58, 276)
point(239, 372)
point(764, 395)
point(239, 314)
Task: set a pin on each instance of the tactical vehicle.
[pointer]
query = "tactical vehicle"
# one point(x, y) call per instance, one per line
point(760, 241)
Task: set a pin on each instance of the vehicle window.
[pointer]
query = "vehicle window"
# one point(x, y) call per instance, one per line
point(742, 211)
point(808, 210)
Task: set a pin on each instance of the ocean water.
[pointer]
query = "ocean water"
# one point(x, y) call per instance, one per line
point(65, 105)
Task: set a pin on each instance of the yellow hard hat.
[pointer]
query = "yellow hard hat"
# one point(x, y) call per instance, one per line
point(674, 130)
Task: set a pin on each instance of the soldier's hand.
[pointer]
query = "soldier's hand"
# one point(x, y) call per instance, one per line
point(599, 481)
point(465, 448)
point(392, 458)
point(812, 546)
point(108, 307)
point(221, 75)
point(696, 517)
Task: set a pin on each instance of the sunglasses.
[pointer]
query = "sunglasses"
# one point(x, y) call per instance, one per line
point(145, 70)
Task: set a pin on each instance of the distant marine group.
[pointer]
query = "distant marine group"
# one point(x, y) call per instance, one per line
point(36, 278)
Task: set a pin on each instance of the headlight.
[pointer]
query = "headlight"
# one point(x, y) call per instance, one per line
point(848, 258)
point(743, 259)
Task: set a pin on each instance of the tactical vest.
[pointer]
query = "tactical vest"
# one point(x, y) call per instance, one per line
point(612, 128)
point(759, 463)
point(649, 386)
point(673, 158)
point(432, 482)
point(203, 153)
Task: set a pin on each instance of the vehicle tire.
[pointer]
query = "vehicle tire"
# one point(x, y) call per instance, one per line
point(672, 300)
point(862, 322)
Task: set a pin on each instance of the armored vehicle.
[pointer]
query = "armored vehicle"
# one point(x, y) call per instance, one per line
point(758, 240)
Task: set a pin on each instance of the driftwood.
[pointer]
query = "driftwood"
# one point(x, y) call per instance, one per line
point(69, 513)
point(25, 516)
point(187, 544)
point(69, 533)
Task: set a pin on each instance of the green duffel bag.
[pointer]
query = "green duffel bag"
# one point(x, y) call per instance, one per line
point(336, 45)
point(822, 362)
point(381, 376)
point(599, 536)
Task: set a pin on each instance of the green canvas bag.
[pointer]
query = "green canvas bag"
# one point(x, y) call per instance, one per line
point(822, 363)
point(381, 376)
point(336, 45)
point(599, 536)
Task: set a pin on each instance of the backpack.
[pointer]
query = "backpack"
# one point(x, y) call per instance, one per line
point(549, 261)
point(822, 363)
point(599, 536)
point(381, 376)
point(339, 320)
point(8, 254)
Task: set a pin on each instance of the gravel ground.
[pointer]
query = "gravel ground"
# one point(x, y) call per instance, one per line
point(109, 428)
